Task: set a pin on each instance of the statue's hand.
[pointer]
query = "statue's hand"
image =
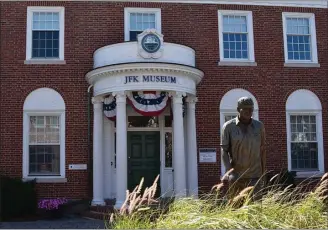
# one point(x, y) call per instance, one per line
point(233, 176)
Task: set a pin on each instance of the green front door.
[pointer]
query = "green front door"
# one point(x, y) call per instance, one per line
point(143, 159)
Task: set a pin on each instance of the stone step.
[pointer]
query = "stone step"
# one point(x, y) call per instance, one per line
point(96, 215)
point(103, 209)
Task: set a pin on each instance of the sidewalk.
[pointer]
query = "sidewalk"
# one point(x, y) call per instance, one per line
point(65, 223)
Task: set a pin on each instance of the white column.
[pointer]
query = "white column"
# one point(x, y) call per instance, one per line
point(192, 163)
point(98, 174)
point(179, 162)
point(121, 149)
point(108, 152)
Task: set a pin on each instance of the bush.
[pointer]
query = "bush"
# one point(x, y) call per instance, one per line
point(18, 198)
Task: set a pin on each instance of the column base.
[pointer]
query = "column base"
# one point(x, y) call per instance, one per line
point(98, 203)
point(181, 194)
point(193, 193)
point(118, 204)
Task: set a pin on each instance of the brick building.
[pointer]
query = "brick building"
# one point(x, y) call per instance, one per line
point(89, 90)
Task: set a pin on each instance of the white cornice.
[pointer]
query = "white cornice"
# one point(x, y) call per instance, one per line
point(291, 3)
point(107, 71)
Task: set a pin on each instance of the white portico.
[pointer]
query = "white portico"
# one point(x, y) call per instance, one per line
point(152, 78)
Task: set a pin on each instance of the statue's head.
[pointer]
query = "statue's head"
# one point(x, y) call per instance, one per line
point(245, 108)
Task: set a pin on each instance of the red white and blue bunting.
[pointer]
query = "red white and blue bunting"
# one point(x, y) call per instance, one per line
point(110, 107)
point(149, 103)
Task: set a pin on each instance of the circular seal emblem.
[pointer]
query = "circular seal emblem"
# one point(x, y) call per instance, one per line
point(151, 43)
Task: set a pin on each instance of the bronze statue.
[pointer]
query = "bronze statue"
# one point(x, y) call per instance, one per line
point(243, 152)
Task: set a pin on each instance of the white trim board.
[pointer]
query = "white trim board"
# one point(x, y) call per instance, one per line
point(290, 3)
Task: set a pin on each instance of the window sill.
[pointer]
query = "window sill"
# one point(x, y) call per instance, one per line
point(306, 65)
point(237, 63)
point(46, 180)
point(44, 62)
point(315, 174)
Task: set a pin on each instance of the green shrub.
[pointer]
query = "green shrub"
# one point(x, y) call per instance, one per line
point(18, 198)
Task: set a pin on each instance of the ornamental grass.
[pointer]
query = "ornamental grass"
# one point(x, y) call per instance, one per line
point(278, 207)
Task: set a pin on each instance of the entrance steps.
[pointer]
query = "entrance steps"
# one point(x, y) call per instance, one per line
point(100, 212)
point(104, 212)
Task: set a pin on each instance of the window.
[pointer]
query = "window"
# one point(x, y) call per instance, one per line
point(236, 36)
point(139, 19)
point(300, 38)
point(44, 136)
point(45, 33)
point(228, 117)
point(228, 109)
point(304, 133)
point(44, 145)
point(304, 144)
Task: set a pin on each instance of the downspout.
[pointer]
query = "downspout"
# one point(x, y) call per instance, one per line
point(90, 163)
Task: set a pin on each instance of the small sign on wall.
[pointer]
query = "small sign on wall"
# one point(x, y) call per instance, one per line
point(207, 155)
point(77, 167)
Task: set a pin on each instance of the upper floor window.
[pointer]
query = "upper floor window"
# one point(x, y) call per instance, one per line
point(236, 36)
point(300, 38)
point(139, 19)
point(45, 33)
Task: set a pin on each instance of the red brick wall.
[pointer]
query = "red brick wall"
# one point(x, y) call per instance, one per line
point(91, 25)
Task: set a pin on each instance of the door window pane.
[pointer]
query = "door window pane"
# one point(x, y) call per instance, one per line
point(142, 121)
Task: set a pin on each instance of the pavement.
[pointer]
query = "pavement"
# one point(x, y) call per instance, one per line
point(63, 223)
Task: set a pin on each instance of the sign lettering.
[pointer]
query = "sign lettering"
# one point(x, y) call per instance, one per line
point(207, 155)
point(149, 78)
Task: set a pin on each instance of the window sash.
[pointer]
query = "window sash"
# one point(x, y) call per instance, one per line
point(51, 126)
point(44, 160)
point(50, 130)
point(298, 26)
point(45, 21)
point(301, 27)
point(304, 123)
point(240, 52)
point(139, 24)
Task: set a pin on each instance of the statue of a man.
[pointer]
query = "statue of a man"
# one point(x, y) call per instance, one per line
point(243, 152)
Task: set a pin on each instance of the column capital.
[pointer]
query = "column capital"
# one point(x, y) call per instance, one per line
point(97, 100)
point(177, 96)
point(192, 99)
point(120, 96)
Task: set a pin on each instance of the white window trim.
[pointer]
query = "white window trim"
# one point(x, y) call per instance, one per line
point(26, 124)
point(226, 112)
point(321, 165)
point(314, 51)
point(249, 16)
point(128, 11)
point(29, 59)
